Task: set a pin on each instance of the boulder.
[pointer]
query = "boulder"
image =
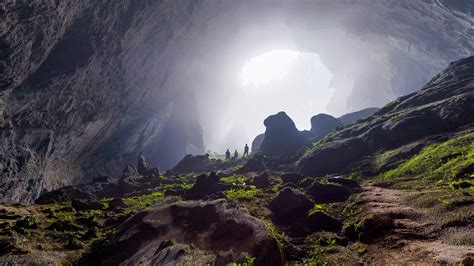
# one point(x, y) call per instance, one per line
point(294, 178)
point(94, 191)
point(323, 124)
point(191, 232)
point(116, 204)
point(26, 223)
point(129, 170)
point(369, 228)
point(84, 205)
point(282, 138)
point(191, 163)
point(142, 167)
point(319, 221)
point(206, 186)
point(327, 193)
point(261, 181)
point(252, 165)
point(133, 181)
point(290, 205)
point(257, 142)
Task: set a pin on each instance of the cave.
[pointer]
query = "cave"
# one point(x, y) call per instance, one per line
point(120, 78)
point(87, 86)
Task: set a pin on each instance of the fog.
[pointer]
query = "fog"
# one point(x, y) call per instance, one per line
point(298, 83)
point(249, 60)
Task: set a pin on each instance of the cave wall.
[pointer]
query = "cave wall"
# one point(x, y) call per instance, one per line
point(87, 84)
point(78, 73)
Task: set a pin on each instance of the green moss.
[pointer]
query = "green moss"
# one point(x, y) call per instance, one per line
point(277, 185)
point(234, 180)
point(242, 193)
point(441, 161)
point(142, 201)
point(275, 233)
point(327, 208)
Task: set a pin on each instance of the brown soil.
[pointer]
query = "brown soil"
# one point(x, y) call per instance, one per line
point(414, 238)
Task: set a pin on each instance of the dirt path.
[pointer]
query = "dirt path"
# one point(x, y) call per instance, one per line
point(413, 239)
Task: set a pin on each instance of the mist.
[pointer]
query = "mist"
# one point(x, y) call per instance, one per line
point(343, 62)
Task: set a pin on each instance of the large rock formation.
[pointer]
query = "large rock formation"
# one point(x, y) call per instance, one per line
point(257, 142)
point(191, 233)
point(74, 92)
point(281, 136)
point(85, 85)
point(443, 105)
point(351, 118)
point(323, 124)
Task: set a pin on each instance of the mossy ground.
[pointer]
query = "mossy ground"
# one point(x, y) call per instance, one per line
point(437, 179)
point(439, 162)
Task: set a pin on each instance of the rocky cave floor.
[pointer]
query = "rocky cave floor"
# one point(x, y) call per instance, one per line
point(252, 211)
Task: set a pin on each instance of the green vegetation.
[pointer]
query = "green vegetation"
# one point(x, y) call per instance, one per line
point(275, 233)
point(446, 161)
point(242, 193)
point(142, 201)
point(277, 185)
point(361, 250)
point(234, 180)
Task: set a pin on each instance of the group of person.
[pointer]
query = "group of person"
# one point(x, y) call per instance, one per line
point(236, 153)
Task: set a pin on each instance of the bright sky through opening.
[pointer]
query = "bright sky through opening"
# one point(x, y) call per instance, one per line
point(278, 80)
point(267, 67)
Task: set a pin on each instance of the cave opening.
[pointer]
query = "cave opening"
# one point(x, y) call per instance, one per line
point(272, 81)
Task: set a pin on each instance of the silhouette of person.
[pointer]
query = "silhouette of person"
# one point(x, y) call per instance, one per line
point(246, 151)
point(236, 154)
point(227, 154)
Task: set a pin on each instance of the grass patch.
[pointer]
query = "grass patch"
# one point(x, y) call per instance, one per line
point(242, 193)
point(142, 201)
point(234, 180)
point(446, 161)
point(275, 233)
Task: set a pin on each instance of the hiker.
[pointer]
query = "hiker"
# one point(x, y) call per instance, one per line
point(246, 151)
point(227, 154)
point(236, 154)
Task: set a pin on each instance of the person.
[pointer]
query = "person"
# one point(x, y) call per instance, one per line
point(227, 154)
point(236, 154)
point(246, 151)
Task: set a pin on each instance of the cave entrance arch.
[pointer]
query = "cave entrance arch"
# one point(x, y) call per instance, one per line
point(272, 81)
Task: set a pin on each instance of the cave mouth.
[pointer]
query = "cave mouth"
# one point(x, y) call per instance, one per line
point(272, 81)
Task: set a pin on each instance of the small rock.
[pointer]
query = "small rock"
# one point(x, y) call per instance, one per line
point(261, 181)
point(116, 204)
point(205, 186)
point(327, 193)
point(63, 226)
point(294, 178)
point(290, 204)
point(83, 205)
point(252, 165)
point(373, 226)
point(73, 243)
point(26, 223)
point(90, 234)
point(319, 220)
